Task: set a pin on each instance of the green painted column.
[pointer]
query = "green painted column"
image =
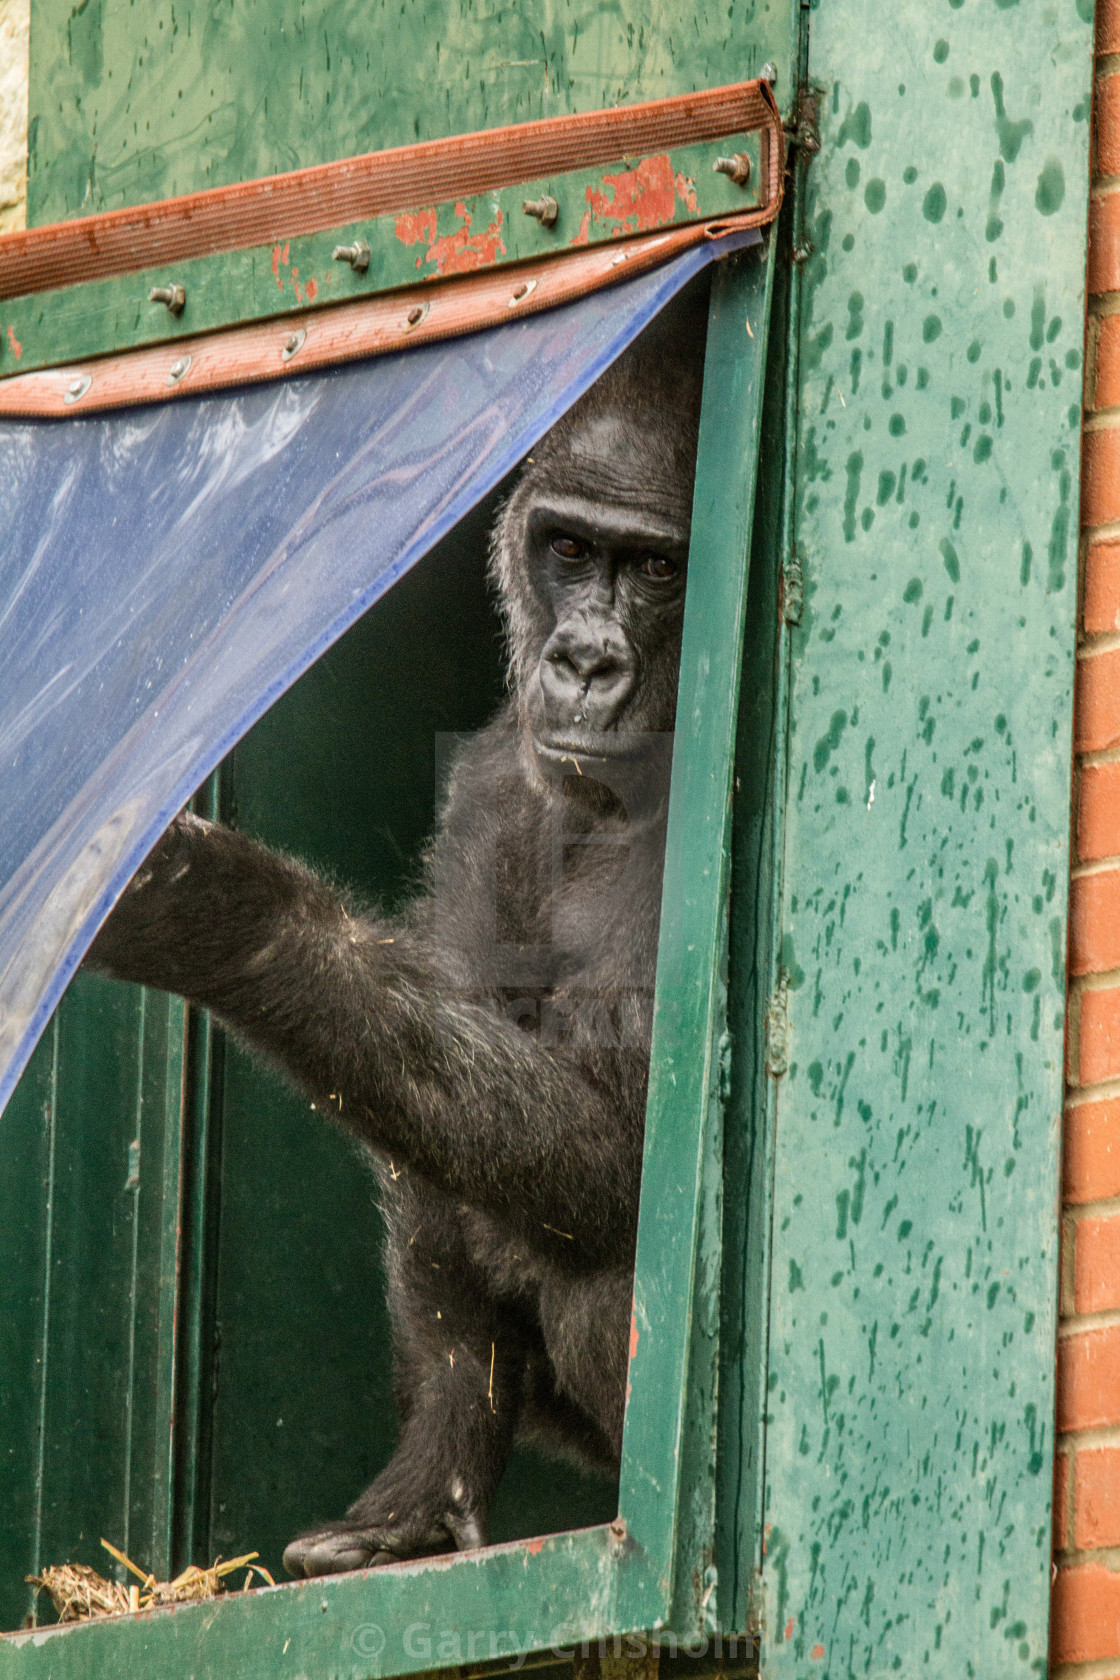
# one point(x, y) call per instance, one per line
point(912, 1326)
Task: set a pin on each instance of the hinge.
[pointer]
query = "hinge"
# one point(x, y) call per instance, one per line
point(777, 1028)
point(804, 130)
point(793, 590)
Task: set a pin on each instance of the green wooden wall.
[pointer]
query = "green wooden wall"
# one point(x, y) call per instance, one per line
point(912, 1325)
point(136, 102)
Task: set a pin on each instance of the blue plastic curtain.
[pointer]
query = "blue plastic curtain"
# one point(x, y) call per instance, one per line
point(166, 572)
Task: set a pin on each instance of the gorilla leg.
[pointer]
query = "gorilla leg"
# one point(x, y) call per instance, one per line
point(459, 1368)
point(585, 1323)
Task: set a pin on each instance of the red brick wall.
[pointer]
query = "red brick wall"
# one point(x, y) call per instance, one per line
point(1086, 1596)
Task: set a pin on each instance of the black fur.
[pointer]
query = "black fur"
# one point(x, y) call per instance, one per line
point(490, 1046)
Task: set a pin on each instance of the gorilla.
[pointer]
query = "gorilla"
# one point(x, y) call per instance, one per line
point(489, 1047)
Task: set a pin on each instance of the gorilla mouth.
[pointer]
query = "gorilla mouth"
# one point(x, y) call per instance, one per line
point(605, 746)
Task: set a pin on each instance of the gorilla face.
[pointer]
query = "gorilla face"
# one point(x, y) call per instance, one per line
point(609, 576)
point(591, 555)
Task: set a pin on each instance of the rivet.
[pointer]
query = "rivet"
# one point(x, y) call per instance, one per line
point(77, 388)
point(544, 210)
point(415, 315)
point(768, 73)
point(174, 297)
point(294, 345)
point(177, 369)
point(737, 168)
point(357, 255)
point(521, 292)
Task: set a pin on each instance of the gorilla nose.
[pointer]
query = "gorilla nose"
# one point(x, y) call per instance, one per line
point(587, 676)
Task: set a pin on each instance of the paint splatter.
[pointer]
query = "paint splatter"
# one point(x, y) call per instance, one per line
point(17, 347)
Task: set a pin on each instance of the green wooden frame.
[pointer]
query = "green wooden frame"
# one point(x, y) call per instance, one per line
point(639, 1573)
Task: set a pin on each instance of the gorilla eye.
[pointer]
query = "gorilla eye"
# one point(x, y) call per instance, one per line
point(658, 567)
point(568, 548)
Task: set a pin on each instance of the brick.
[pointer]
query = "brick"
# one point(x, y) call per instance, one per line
point(1094, 926)
point(1097, 1497)
point(1100, 470)
point(1096, 1266)
point(1097, 702)
point(1091, 1151)
point(1108, 26)
point(1101, 604)
point(1098, 1046)
point(1085, 1614)
point(1106, 376)
point(1104, 243)
point(1089, 1379)
point(1061, 1484)
point(1098, 813)
point(1106, 125)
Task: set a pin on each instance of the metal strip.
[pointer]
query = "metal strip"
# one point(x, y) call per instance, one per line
point(347, 331)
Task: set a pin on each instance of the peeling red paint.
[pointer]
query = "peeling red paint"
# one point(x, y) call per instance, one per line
point(633, 1332)
point(462, 252)
point(584, 233)
point(279, 255)
point(534, 1546)
point(312, 290)
point(17, 347)
point(415, 227)
point(789, 1629)
point(816, 1653)
point(641, 198)
point(686, 191)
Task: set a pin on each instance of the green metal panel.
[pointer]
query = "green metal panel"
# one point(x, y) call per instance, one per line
point(675, 1339)
point(233, 287)
point(130, 104)
point(89, 1199)
point(604, 1579)
point(757, 802)
point(912, 1328)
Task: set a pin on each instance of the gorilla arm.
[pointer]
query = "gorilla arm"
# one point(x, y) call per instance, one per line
point(357, 1014)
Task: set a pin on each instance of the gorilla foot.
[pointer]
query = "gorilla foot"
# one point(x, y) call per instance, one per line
point(332, 1551)
point(358, 1544)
